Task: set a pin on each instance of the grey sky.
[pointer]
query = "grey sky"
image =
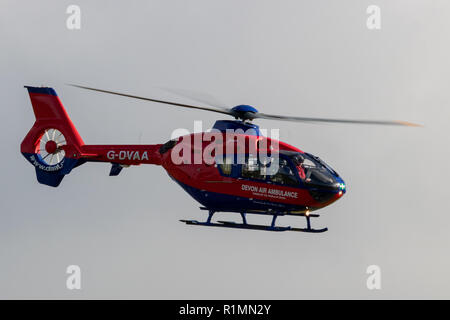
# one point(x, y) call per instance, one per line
point(304, 58)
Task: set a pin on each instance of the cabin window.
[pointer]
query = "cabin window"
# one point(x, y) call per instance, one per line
point(285, 175)
point(252, 169)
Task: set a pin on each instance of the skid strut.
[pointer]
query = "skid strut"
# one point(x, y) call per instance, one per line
point(245, 225)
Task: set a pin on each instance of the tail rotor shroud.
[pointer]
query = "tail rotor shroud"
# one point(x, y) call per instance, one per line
point(53, 144)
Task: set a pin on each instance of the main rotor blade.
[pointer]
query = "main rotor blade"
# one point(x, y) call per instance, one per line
point(228, 111)
point(199, 97)
point(155, 100)
point(307, 119)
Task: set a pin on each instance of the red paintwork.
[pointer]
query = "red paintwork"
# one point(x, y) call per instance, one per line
point(50, 113)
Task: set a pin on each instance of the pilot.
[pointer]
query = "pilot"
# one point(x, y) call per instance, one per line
point(298, 162)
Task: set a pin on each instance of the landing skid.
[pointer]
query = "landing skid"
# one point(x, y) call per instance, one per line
point(245, 225)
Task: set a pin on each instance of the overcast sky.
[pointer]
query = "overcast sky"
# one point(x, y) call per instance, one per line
point(301, 58)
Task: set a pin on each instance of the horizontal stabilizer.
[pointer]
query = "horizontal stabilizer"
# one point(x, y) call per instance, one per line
point(115, 169)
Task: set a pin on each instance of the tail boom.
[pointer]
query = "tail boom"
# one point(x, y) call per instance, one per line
point(123, 154)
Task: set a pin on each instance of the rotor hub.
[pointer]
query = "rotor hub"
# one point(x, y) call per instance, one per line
point(244, 112)
point(51, 146)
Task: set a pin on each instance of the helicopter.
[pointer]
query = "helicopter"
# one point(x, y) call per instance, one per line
point(245, 173)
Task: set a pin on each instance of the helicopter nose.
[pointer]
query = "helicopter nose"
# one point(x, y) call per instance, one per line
point(340, 185)
point(329, 194)
point(339, 189)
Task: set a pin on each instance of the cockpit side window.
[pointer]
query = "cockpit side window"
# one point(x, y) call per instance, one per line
point(285, 175)
point(316, 172)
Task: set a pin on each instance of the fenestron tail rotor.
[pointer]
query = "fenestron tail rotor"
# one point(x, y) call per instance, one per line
point(49, 147)
point(246, 112)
